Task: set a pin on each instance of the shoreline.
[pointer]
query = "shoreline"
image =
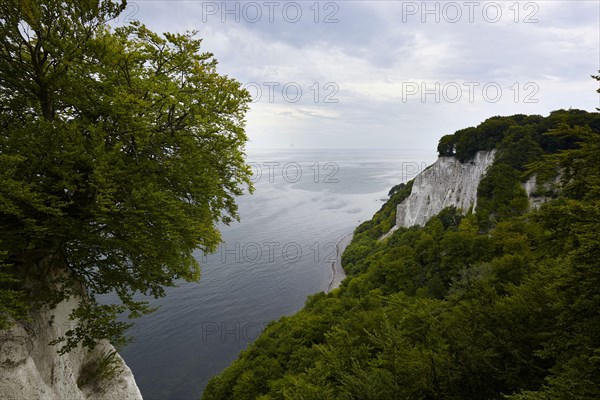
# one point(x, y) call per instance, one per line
point(337, 271)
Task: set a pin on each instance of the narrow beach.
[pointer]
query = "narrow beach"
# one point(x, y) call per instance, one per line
point(337, 272)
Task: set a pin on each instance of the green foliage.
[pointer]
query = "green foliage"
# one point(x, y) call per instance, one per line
point(454, 309)
point(446, 146)
point(500, 194)
point(12, 300)
point(369, 231)
point(519, 147)
point(396, 188)
point(516, 135)
point(450, 217)
point(120, 151)
point(105, 368)
point(579, 167)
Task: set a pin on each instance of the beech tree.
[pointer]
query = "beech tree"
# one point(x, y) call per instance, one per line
point(120, 151)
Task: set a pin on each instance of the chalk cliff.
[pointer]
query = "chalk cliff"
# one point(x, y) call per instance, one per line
point(533, 187)
point(447, 182)
point(32, 369)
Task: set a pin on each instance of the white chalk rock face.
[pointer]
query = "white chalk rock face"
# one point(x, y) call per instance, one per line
point(447, 182)
point(532, 186)
point(32, 369)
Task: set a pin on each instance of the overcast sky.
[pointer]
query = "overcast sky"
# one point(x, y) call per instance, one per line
point(391, 74)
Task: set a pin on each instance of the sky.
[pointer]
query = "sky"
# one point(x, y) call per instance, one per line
point(390, 74)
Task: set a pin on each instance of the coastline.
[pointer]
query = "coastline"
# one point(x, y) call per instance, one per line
point(337, 271)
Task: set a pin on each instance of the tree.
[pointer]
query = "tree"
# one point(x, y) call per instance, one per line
point(120, 150)
point(500, 195)
point(446, 146)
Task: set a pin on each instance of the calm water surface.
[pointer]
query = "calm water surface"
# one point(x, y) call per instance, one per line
point(280, 252)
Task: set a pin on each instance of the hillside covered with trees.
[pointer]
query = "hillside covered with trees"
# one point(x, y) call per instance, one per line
point(500, 303)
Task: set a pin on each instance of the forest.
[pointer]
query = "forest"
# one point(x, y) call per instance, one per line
point(498, 303)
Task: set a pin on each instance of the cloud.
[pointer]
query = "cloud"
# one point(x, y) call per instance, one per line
point(353, 72)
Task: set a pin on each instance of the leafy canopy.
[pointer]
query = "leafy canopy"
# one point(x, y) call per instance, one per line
point(120, 151)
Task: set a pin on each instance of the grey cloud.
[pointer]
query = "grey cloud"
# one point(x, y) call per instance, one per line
point(372, 48)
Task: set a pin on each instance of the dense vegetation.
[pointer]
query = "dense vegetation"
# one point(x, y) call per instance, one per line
point(501, 303)
point(120, 151)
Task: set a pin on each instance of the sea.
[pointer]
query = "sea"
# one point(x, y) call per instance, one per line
point(305, 201)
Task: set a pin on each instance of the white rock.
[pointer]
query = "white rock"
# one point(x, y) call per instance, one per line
point(447, 182)
point(531, 186)
point(32, 369)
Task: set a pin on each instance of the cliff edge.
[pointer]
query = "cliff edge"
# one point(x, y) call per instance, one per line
point(447, 182)
point(30, 368)
point(451, 183)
